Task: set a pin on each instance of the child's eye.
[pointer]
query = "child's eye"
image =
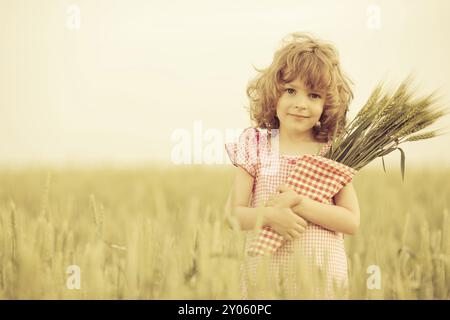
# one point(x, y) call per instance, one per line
point(291, 90)
point(315, 96)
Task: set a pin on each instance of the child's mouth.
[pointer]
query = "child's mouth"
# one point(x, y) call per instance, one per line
point(298, 116)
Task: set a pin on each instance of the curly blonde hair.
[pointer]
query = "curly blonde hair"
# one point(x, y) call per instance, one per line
point(315, 62)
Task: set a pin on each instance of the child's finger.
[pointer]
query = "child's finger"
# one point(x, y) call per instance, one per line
point(287, 236)
point(296, 233)
point(302, 222)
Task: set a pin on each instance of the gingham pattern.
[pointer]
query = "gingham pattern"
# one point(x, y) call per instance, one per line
point(321, 247)
point(315, 177)
point(245, 153)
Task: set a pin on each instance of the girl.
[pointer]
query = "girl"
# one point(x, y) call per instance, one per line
point(297, 103)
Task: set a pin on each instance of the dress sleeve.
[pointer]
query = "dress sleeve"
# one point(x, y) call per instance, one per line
point(244, 153)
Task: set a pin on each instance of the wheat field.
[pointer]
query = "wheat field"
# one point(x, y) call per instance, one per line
point(159, 233)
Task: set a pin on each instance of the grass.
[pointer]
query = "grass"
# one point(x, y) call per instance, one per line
point(158, 233)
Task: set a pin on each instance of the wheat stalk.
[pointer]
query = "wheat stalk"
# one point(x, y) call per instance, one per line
point(13, 233)
point(45, 198)
point(384, 122)
point(97, 216)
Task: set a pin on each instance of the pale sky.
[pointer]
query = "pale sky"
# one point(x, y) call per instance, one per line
point(114, 84)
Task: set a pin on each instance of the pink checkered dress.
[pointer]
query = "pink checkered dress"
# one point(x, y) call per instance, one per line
point(320, 248)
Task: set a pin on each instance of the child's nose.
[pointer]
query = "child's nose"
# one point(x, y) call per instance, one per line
point(301, 100)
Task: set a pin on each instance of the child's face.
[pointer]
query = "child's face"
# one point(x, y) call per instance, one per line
point(295, 101)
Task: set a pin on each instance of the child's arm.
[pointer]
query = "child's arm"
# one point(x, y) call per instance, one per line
point(342, 217)
point(237, 209)
point(239, 214)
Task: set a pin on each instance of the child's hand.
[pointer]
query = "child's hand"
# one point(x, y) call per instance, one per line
point(286, 198)
point(286, 222)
